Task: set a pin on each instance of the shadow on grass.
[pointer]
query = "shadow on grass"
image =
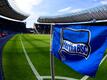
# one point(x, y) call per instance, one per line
point(43, 41)
point(38, 49)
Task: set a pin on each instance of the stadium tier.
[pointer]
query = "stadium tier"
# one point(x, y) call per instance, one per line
point(93, 14)
point(42, 28)
point(7, 10)
point(12, 26)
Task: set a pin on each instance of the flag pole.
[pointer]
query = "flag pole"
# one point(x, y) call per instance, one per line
point(51, 57)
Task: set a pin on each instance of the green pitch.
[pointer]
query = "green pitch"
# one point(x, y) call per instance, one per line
point(16, 67)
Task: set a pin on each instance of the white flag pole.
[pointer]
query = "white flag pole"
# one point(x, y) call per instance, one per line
point(51, 56)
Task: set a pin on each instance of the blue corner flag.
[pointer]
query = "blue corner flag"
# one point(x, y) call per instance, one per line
point(80, 47)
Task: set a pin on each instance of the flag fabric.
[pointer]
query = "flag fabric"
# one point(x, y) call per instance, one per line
point(81, 47)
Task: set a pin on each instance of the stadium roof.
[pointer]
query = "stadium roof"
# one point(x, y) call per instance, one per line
point(9, 9)
point(93, 14)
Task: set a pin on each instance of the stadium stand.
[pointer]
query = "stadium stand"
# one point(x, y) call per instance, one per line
point(12, 12)
point(42, 28)
point(12, 26)
point(93, 14)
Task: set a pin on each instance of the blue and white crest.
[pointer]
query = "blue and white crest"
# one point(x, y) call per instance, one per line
point(75, 42)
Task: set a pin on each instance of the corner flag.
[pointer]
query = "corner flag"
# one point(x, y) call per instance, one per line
point(80, 47)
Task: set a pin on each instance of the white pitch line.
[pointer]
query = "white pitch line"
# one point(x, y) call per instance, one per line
point(58, 77)
point(103, 59)
point(30, 63)
point(86, 77)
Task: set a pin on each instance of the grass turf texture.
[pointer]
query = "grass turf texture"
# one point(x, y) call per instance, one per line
point(16, 67)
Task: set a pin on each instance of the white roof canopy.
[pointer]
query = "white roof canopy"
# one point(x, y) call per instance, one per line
point(7, 10)
point(97, 13)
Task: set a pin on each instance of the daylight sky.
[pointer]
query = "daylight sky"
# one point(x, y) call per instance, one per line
point(38, 8)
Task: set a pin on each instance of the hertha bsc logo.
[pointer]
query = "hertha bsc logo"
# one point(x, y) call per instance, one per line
point(75, 42)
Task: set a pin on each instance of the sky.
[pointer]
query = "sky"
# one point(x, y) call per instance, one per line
point(37, 8)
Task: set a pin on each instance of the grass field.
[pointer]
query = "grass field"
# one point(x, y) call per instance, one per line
point(16, 67)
